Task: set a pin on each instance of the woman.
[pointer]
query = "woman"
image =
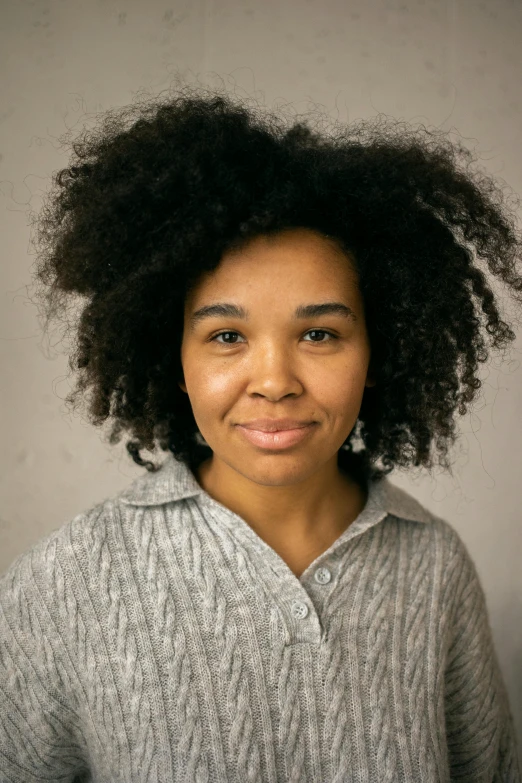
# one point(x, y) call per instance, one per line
point(289, 315)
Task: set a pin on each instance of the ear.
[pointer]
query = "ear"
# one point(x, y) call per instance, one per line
point(182, 386)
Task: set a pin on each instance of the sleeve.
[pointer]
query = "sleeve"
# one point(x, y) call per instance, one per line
point(38, 722)
point(480, 731)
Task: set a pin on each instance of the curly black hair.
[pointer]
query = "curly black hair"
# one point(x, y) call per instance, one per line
point(160, 189)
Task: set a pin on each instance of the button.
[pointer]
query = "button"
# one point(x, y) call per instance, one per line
point(323, 576)
point(299, 610)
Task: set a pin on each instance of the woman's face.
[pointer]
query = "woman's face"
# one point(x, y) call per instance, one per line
point(273, 364)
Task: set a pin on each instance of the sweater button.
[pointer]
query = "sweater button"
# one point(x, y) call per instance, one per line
point(299, 610)
point(323, 576)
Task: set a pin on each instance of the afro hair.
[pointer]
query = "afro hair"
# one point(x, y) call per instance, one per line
point(160, 189)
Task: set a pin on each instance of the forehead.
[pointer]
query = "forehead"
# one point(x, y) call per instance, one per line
point(298, 245)
point(295, 260)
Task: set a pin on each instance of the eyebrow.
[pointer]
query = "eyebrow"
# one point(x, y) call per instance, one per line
point(229, 310)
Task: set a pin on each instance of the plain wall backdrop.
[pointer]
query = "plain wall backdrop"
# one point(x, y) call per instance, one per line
point(455, 65)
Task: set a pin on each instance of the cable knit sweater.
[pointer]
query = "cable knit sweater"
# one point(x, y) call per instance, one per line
point(157, 638)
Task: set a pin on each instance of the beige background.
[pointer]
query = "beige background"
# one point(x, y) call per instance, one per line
point(440, 62)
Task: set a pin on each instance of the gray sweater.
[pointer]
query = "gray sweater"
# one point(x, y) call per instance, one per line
point(157, 638)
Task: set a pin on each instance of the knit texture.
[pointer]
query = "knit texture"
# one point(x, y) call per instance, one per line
point(156, 638)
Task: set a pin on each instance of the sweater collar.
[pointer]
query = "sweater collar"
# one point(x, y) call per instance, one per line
point(175, 481)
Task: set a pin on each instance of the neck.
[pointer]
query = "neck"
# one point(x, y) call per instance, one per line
point(296, 520)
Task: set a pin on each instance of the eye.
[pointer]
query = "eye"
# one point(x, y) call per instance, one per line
point(331, 335)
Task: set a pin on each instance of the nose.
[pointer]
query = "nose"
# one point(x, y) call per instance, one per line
point(273, 373)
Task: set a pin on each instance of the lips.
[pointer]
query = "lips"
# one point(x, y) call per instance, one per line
point(275, 425)
point(276, 440)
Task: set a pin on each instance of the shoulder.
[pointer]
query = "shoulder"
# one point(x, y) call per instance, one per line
point(427, 531)
point(40, 571)
point(53, 593)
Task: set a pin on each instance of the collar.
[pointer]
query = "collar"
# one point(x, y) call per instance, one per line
point(175, 481)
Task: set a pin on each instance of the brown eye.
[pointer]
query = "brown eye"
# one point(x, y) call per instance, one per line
point(220, 334)
point(322, 331)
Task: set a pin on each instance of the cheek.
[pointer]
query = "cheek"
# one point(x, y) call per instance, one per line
point(345, 387)
point(342, 392)
point(210, 384)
